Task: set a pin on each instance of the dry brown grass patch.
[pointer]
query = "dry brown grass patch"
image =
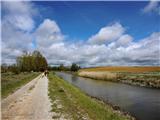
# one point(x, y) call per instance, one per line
point(125, 69)
point(98, 75)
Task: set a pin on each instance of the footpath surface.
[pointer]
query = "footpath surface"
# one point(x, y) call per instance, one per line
point(30, 102)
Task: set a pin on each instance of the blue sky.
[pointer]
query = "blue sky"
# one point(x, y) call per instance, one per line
point(86, 33)
point(80, 20)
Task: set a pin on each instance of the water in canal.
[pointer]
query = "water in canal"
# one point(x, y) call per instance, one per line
point(143, 103)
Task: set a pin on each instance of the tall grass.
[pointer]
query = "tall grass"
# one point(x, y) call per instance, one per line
point(104, 75)
point(125, 69)
point(148, 79)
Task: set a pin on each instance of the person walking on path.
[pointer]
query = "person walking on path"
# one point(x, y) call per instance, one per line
point(46, 72)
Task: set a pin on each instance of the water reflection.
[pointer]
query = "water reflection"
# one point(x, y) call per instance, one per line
point(73, 79)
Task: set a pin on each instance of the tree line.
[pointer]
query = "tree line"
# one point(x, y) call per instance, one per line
point(27, 62)
point(35, 62)
point(74, 67)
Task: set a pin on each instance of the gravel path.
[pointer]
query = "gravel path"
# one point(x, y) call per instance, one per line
point(31, 102)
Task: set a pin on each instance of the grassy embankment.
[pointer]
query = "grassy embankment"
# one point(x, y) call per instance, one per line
point(11, 82)
point(71, 103)
point(142, 76)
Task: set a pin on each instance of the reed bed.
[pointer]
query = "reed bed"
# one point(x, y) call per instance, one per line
point(104, 75)
point(148, 79)
point(135, 69)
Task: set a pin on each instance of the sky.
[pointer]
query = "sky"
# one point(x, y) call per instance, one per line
point(87, 33)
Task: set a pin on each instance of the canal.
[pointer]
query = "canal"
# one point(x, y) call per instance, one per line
point(142, 103)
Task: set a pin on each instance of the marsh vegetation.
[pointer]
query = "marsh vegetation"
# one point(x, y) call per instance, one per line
point(142, 76)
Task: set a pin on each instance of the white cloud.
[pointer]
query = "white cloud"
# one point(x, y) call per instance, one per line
point(107, 34)
point(124, 40)
point(17, 22)
point(9, 54)
point(144, 52)
point(19, 14)
point(47, 33)
point(153, 6)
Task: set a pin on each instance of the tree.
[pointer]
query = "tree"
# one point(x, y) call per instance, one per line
point(74, 67)
point(39, 61)
point(14, 69)
point(32, 62)
point(61, 67)
point(27, 62)
point(4, 68)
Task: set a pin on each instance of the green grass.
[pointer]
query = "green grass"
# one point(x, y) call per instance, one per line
point(11, 82)
point(78, 105)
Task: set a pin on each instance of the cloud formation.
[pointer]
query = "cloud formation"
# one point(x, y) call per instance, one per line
point(110, 46)
point(107, 34)
point(47, 33)
point(119, 50)
point(19, 15)
point(17, 23)
point(153, 6)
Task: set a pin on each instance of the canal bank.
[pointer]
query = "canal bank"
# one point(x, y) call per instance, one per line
point(143, 103)
point(69, 102)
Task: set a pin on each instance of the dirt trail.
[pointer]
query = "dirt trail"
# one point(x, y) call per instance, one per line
point(31, 102)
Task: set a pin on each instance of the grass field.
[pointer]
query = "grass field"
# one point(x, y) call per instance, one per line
point(142, 76)
point(11, 82)
point(71, 103)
